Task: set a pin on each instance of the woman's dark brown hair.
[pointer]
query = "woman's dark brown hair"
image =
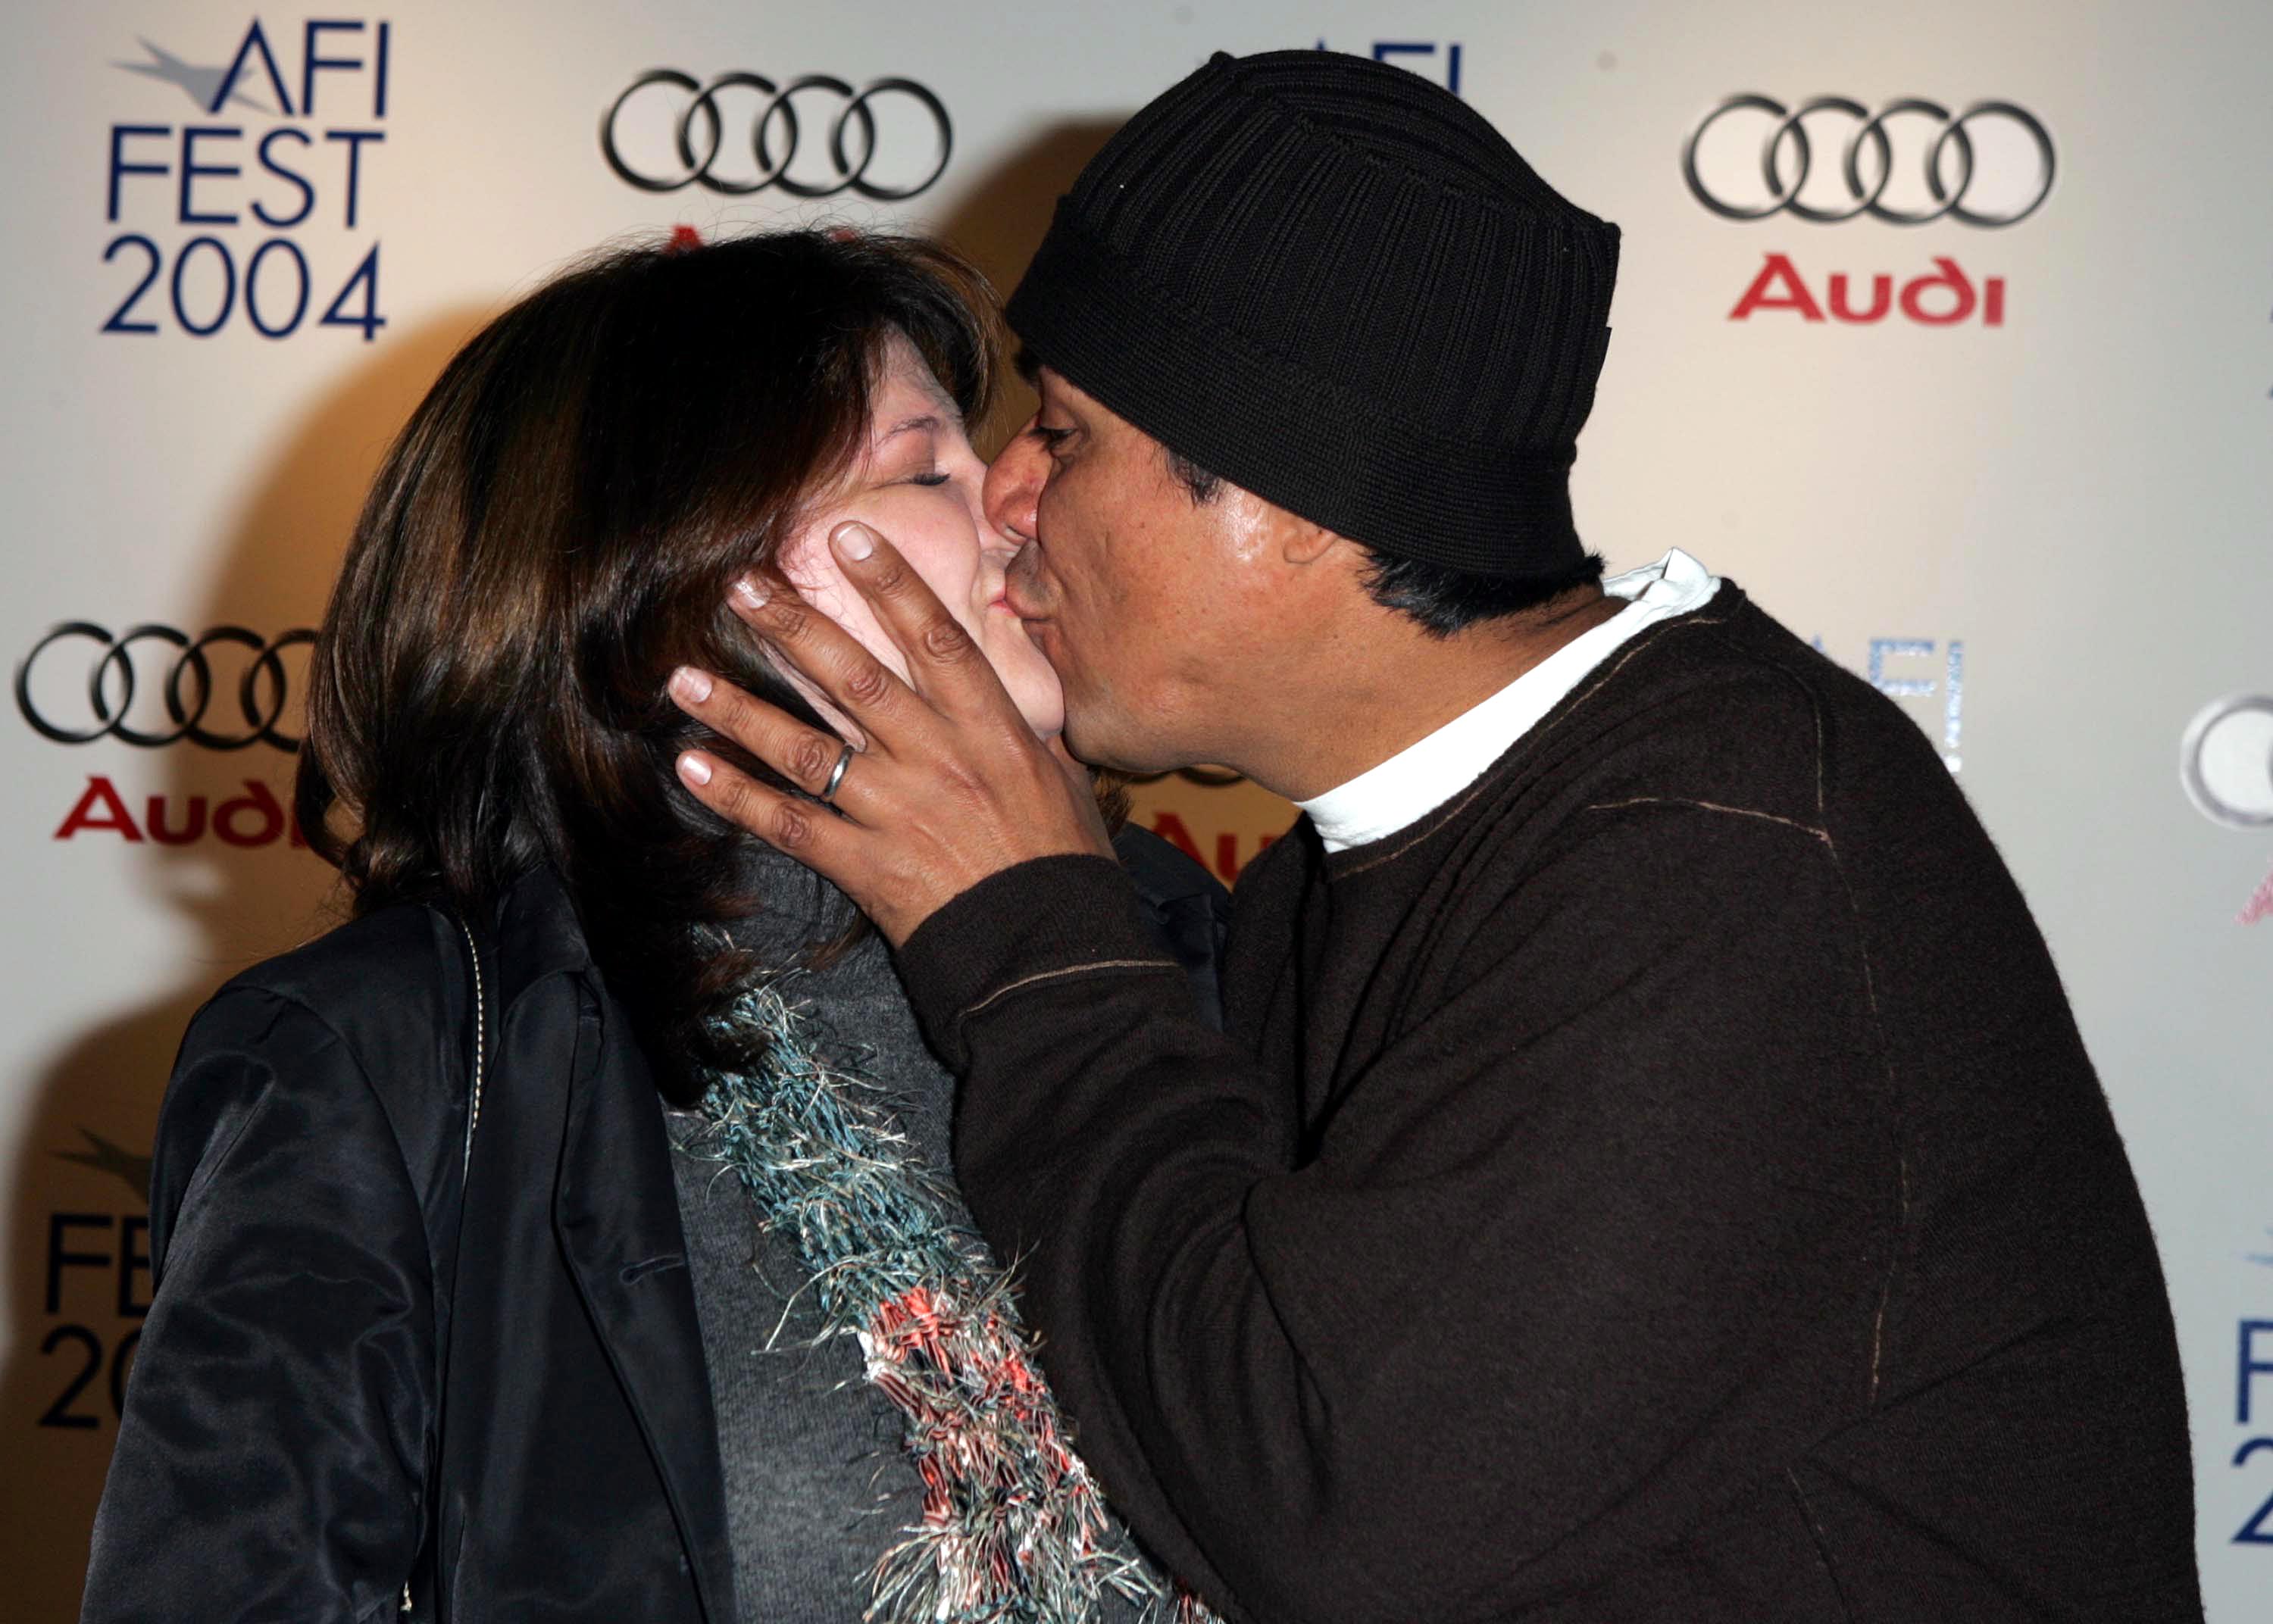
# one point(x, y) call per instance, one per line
point(553, 532)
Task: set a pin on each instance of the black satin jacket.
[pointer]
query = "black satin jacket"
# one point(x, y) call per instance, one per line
point(390, 1344)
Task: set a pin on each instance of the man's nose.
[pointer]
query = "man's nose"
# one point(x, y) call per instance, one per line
point(1014, 485)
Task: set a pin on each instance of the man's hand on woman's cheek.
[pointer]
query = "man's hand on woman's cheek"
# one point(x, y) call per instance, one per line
point(951, 785)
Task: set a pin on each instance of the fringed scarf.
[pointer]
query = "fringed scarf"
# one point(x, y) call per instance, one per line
point(1013, 1528)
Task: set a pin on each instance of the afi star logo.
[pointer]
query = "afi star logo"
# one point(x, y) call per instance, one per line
point(256, 66)
point(116, 1160)
point(210, 88)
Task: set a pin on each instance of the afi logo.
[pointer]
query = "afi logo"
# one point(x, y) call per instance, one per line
point(1440, 63)
point(192, 193)
point(1944, 297)
point(1913, 680)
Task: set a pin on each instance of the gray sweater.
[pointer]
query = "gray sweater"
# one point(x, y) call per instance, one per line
point(817, 1485)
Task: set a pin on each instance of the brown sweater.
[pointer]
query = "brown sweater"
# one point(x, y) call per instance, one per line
point(1665, 1183)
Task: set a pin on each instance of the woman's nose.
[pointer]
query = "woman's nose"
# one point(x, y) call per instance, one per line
point(1013, 482)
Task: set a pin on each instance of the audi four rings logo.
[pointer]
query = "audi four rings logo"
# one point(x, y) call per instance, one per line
point(1938, 146)
point(185, 683)
point(852, 148)
point(2225, 761)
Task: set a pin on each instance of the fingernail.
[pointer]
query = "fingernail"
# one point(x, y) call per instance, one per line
point(752, 595)
point(694, 769)
point(690, 685)
point(852, 540)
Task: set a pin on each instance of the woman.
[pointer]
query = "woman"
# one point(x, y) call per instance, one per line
point(563, 1239)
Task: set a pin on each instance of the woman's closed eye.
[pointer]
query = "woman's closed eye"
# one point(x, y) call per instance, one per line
point(925, 469)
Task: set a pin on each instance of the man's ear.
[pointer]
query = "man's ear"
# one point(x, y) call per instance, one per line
point(1304, 542)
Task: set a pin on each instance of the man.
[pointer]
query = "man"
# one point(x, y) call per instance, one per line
point(1651, 1173)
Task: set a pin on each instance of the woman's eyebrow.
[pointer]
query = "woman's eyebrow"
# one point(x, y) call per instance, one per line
point(944, 415)
point(921, 424)
point(929, 423)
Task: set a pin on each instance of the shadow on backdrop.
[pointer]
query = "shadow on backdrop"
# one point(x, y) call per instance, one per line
point(999, 223)
point(80, 1186)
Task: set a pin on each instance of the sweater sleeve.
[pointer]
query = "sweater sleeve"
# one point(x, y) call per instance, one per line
point(1602, 1223)
point(271, 1454)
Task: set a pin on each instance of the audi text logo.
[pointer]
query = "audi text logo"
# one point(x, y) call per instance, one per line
point(855, 143)
point(1911, 162)
point(197, 706)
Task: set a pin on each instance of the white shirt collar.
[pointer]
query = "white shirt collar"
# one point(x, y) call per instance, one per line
point(1422, 776)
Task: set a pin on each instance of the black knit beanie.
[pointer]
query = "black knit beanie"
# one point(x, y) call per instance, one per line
point(1333, 283)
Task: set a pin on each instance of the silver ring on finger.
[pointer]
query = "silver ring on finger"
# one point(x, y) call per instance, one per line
point(836, 775)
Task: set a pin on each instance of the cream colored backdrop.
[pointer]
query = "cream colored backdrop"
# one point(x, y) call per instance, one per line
point(2015, 473)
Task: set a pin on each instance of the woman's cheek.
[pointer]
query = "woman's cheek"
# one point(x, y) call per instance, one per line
point(942, 548)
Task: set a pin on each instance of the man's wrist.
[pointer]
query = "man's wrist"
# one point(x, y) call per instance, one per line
point(1029, 925)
